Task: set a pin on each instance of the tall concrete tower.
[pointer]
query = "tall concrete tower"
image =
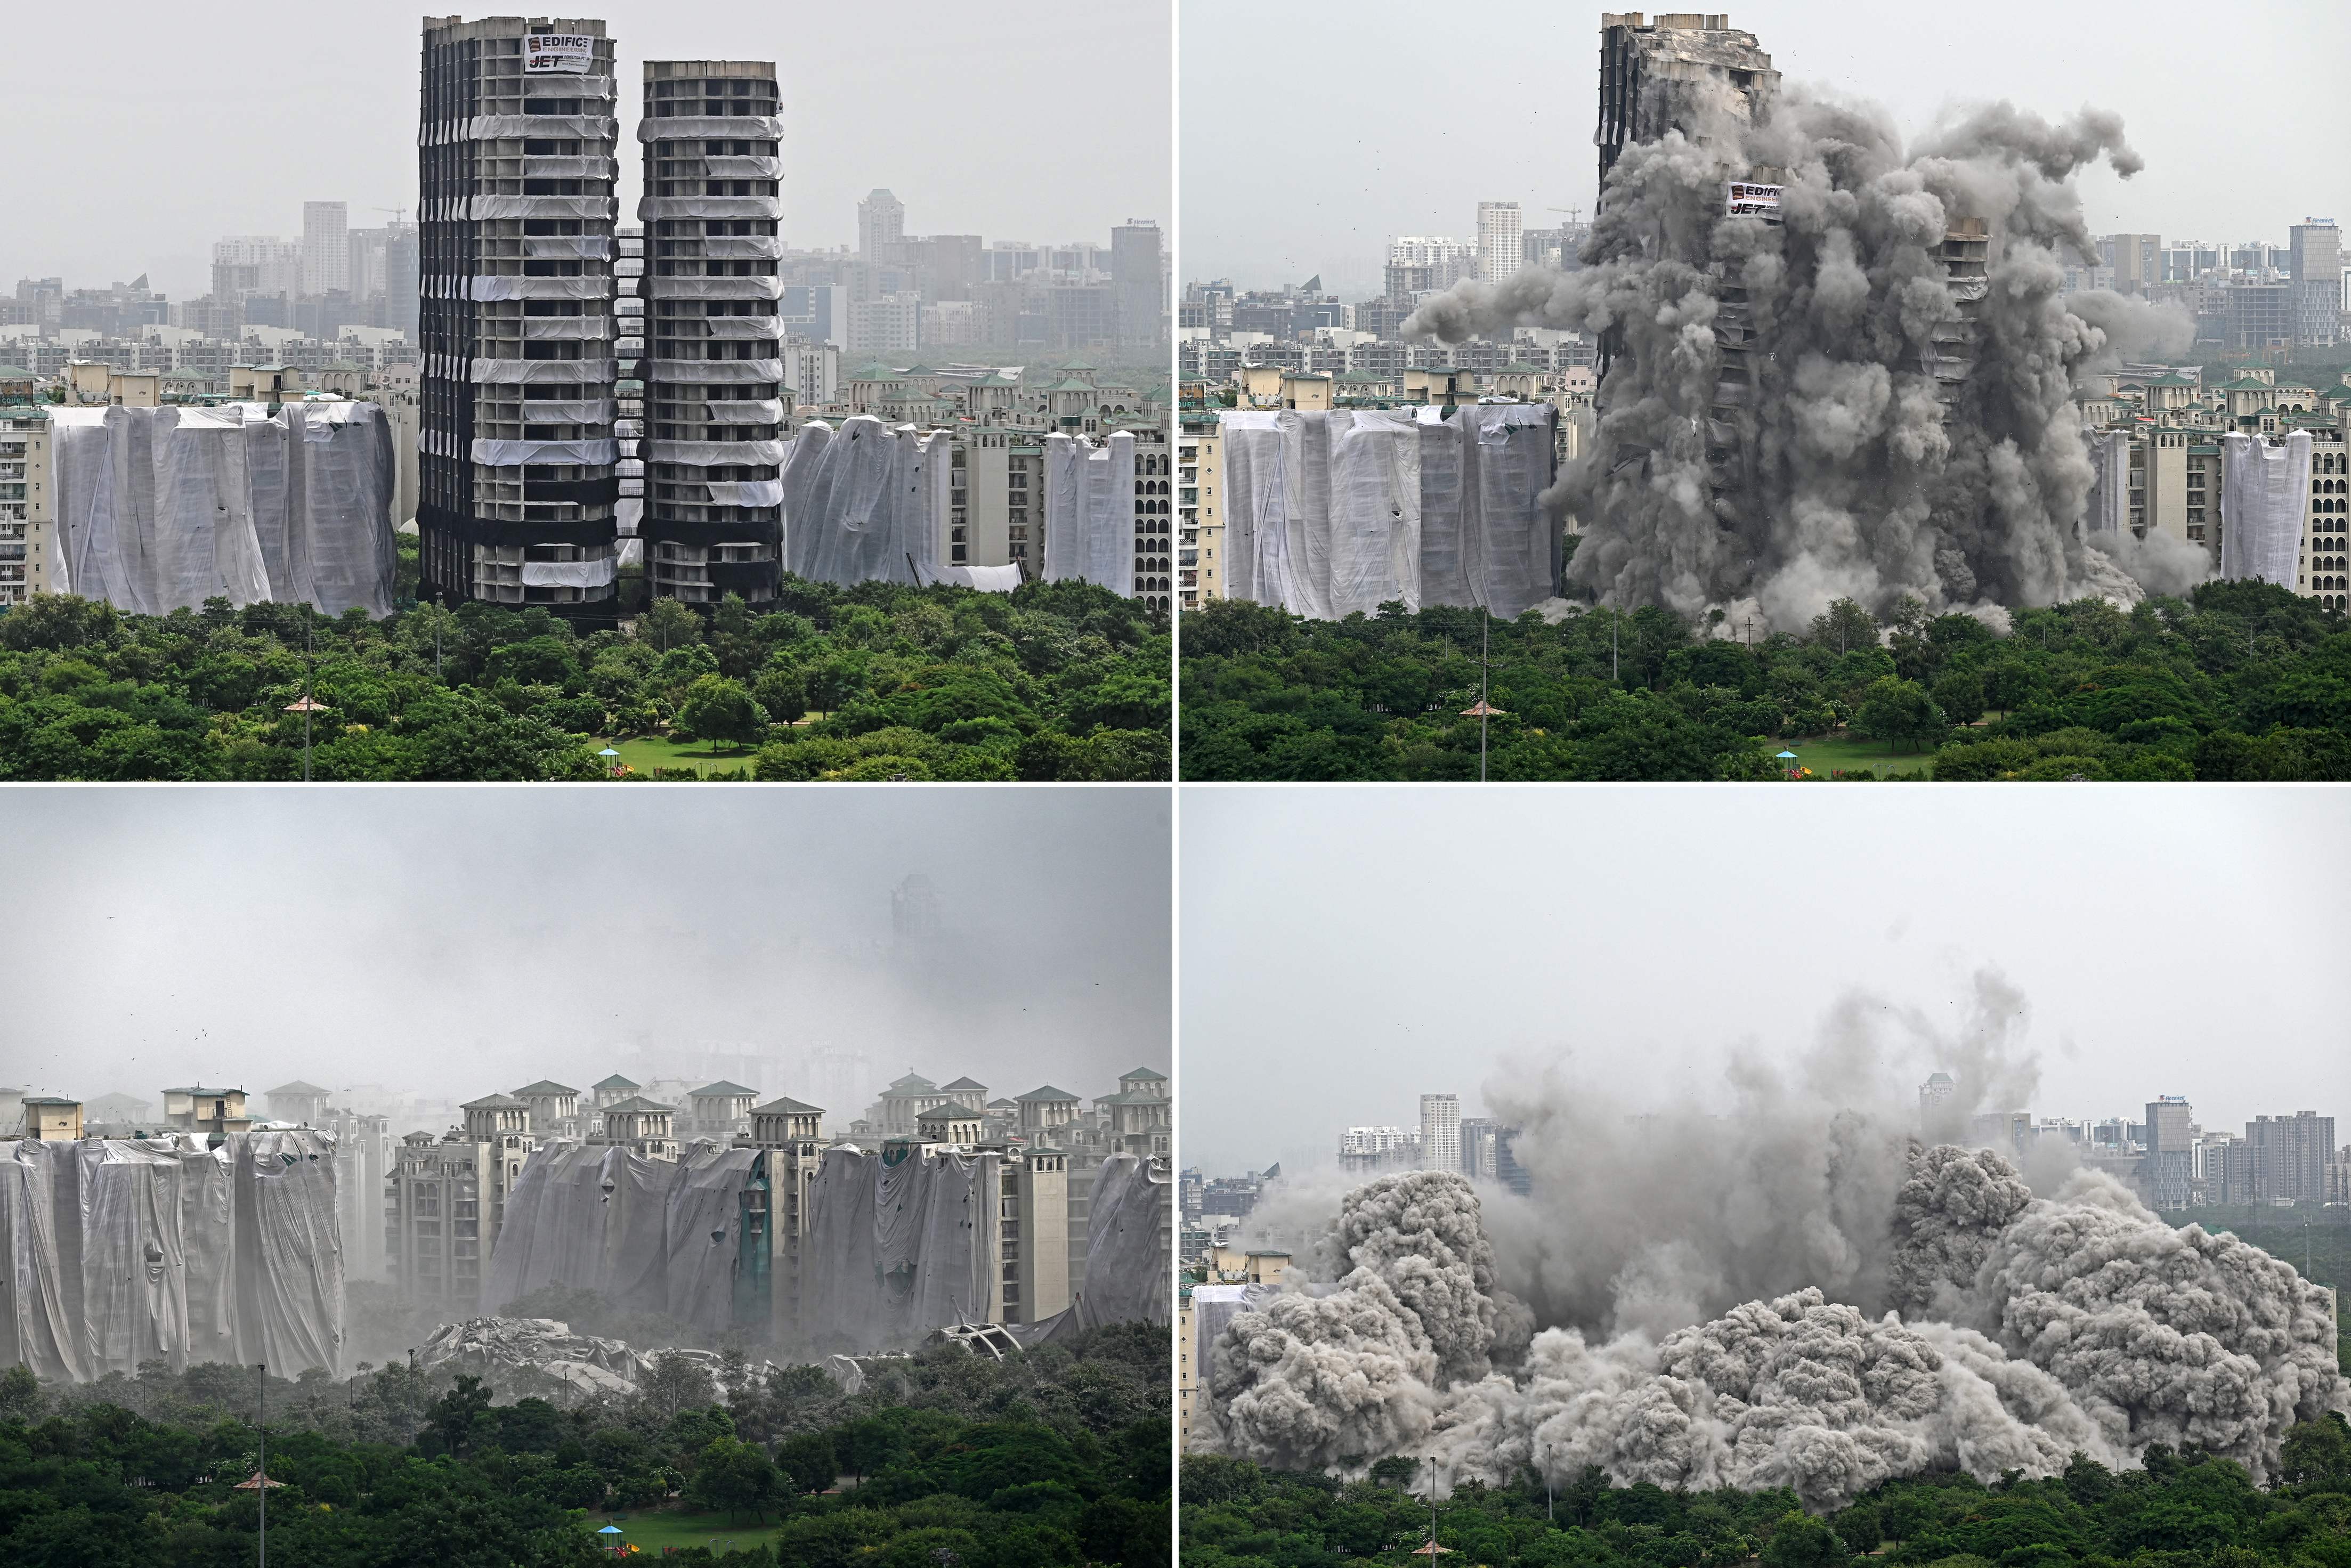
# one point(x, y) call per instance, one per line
point(514, 314)
point(714, 371)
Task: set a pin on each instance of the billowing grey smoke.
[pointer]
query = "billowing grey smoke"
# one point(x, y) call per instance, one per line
point(1847, 468)
point(2080, 1324)
point(1788, 1290)
point(1321, 1380)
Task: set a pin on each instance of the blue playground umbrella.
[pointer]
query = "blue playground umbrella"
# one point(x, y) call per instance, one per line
point(1787, 757)
point(608, 751)
point(610, 1530)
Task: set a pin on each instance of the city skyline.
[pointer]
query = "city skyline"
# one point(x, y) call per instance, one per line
point(1401, 176)
point(1559, 951)
point(836, 147)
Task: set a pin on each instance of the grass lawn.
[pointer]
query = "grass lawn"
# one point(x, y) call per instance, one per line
point(644, 753)
point(1849, 753)
point(650, 1531)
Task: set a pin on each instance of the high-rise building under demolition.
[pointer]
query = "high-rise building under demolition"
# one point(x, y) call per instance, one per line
point(1678, 73)
point(713, 521)
point(514, 164)
point(1694, 73)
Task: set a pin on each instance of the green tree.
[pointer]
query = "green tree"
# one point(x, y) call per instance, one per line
point(716, 708)
point(1959, 694)
point(1900, 711)
point(1845, 626)
point(669, 624)
point(807, 1461)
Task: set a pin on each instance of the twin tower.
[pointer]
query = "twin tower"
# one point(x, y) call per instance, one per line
point(572, 374)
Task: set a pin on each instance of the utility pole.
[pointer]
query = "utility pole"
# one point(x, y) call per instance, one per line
point(310, 665)
point(261, 1488)
point(1485, 620)
point(1432, 1510)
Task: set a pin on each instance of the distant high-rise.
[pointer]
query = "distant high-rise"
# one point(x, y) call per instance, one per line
point(2314, 247)
point(245, 264)
point(1440, 1132)
point(2170, 1168)
point(713, 522)
point(325, 246)
point(881, 224)
point(1500, 252)
point(515, 235)
point(2289, 1156)
point(1139, 278)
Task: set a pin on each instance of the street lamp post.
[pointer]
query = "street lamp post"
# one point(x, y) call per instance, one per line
point(261, 1492)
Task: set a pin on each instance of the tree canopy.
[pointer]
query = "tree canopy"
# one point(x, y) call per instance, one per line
point(956, 1453)
point(2241, 680)
point(2184, 1509)
point(1052, 681)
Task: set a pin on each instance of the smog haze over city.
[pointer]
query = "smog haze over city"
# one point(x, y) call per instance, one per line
point(1502, 107)
point(1617, 942)
point(141, 163)
point(456, 944)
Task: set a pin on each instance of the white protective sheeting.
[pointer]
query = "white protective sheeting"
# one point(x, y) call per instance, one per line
point(2108, 511)
point(568, 166)
point(638, 1231)
point(741, 327)
point(765, 285)
point(743, 247)
point(570, 410)
point(539, 287)
point(987, 579)
point(745, 410)
point(713, 453)
point(162, 508)
point(896, 1246)
point(1090, 510)
point(498, 127)
point(518, 372)
point(861, 500)
point(122, 1251)
point(567, 248)
point(566, 328)
point(2264, 493)
point(746, 492)
point(653, 209)
point(750, 127)
point(1130, 1275)
point(483, 209)
point(514, 453)
point(570, 573)
point(1332, 512)
point(715, 373)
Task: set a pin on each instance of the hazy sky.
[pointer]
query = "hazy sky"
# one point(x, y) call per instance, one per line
point(1346, 950)
point(461, 942)
point(143, 130)
point(1405, 117)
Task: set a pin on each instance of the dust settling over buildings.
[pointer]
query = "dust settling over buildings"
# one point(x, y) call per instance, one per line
point(1835, 366)
point(1814, 1291)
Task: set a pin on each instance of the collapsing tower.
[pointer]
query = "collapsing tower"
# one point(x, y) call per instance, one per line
point(1695, 74)
point(515, 244)
point(713, 519)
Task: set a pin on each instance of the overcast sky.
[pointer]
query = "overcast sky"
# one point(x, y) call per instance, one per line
point(1310, 137)
point(143, 130)
point(1346, 950)
point(461, 942)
